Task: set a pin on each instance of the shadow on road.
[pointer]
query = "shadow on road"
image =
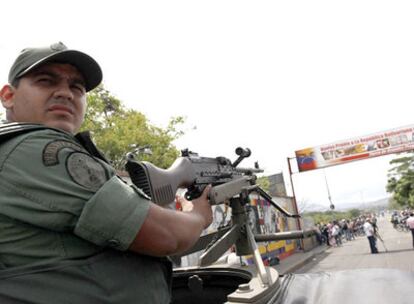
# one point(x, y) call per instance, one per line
point(396, 251)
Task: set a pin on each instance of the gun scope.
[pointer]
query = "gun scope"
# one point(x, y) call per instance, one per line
point(243, 152)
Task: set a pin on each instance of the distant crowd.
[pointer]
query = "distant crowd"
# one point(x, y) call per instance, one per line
point(399, 219)
point(336, 232)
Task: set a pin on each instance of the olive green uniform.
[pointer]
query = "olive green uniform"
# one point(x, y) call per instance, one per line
point(66, 221)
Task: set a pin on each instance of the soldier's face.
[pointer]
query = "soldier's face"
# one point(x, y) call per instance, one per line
point(53, 94)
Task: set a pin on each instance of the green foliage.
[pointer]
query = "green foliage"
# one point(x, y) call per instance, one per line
point(401, 181)
point(329, 216)
point(393, 205)
point(117, 130)
point(353, 213)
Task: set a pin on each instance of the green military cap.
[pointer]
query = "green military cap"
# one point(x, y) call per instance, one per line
point(31, 58)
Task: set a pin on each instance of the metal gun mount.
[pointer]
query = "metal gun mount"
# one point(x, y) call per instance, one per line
point(257, 285)
point(239, 233)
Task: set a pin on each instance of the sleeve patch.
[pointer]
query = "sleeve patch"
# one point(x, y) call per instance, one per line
point(52, 149)
point(86, 171)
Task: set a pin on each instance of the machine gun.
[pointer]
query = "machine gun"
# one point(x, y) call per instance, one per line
point(194, 173)
point(229, 184)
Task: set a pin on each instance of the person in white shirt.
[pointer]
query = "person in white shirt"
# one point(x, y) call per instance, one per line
point(370, 233)
point(410, 224)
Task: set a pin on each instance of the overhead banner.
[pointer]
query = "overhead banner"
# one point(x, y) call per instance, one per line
point(387, 142)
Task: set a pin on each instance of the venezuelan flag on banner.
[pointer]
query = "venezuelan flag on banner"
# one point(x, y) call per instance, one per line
point(382, 143)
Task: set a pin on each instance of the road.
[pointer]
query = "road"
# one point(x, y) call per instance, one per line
point(356, 254)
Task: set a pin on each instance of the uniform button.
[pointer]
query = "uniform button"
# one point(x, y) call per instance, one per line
point(113, 243)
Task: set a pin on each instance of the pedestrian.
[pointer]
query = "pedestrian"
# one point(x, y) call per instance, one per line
point(394, 219)
point(370, 234)
point(71, 229)
point(325, 233)
point(351, 229)
point(318, 234)
point(336, 233)
point(346, 229)
point(410, 224)
point(373, 221)
point(332, 241)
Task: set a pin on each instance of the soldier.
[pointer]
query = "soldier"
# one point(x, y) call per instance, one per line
point(70, 227)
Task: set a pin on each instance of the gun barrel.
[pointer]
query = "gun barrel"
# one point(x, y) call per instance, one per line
point(289, 235)
point(249, 170)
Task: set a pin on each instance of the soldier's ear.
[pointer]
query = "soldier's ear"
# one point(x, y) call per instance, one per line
point(6, 96)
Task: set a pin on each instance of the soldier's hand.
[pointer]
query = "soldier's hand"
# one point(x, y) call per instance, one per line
point(185, 205)
point(199, 206)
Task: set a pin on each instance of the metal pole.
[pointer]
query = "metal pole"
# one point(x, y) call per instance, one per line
point(295, 205)
point(331, 206)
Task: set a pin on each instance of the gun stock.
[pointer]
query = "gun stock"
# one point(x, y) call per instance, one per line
point(161, 184)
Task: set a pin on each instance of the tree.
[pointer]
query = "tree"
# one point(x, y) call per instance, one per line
point(117, 130)
point(353, 213)
point(393, 205)
point(401, 180)
point(329, 216)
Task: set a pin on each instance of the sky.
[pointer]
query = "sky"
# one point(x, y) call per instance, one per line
point(273, 76)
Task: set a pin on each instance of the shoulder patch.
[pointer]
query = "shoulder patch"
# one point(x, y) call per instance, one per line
point(86, 171)
point(52, 149)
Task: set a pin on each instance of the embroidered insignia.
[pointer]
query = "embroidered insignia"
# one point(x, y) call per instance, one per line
point(86, 171)
point(52, 149)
